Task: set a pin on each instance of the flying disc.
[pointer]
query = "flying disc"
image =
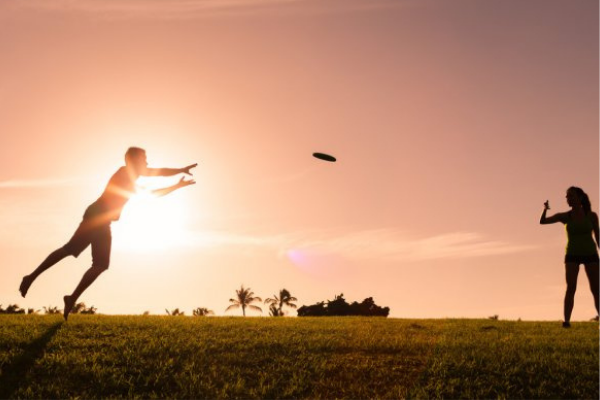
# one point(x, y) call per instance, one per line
point(324, 157)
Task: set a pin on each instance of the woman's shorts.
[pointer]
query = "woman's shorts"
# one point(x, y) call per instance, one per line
point(589, 259)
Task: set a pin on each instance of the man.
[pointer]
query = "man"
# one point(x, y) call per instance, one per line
point(94, 230)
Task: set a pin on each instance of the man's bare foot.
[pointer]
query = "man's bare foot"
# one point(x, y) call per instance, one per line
point(68, 306)
point(25, 283)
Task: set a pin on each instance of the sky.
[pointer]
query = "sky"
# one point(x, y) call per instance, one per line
point(452, 123)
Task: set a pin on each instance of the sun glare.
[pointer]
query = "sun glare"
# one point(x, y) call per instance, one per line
point(150, 224)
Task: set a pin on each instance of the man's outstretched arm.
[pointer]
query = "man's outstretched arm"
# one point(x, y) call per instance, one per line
point(164, 191)
point(169, 171)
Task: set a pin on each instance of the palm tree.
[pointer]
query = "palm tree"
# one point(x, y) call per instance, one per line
point(277, 303)
point(244, 298)
point(202, 312)
point(274, 311)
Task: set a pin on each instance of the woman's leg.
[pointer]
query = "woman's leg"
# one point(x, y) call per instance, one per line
point(571, 272)
point(591, 270)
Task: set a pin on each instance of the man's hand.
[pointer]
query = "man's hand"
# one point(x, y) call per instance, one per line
point(183, 183)
point(186, 170)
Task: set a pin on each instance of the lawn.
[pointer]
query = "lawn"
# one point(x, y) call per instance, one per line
point(96, 356)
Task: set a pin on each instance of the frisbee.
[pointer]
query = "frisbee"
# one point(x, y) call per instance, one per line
point(324, 157)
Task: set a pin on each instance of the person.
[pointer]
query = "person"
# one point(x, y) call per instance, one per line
point(94, 229)
point(581, 222)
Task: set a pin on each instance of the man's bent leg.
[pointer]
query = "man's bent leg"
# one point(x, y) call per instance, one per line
point(101, 243)
point(52, 259)
point(88, 278)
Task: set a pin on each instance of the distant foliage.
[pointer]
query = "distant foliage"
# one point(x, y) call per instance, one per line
point(202, 312)
point(175, 312)
point(52, 310)
point(274, 311)
point(276, 303)
point(339, 307)
point(245, 298)
point(12, 309)
point(80, 308)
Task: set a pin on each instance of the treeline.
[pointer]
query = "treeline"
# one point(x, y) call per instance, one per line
point(245, 298)
point(79, 308)
point(340, 308)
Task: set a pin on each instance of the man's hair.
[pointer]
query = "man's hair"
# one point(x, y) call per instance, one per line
point(132, 153)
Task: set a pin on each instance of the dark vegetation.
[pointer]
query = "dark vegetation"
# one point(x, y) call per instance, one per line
point(338, 307)
point(79, 308)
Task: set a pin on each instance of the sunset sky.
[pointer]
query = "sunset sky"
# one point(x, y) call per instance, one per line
point(452, 122)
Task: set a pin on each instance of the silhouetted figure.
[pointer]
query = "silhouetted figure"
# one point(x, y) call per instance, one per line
point(580, 223)
point(94, 230)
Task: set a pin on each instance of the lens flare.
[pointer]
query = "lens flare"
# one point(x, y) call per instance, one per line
point(315, 263)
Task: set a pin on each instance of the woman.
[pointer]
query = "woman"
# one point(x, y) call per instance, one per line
point(580, 223)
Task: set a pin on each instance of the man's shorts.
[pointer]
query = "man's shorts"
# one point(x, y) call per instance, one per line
point(92, 233)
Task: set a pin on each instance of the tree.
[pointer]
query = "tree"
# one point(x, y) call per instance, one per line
point(277, 303)
point(175, 312)
point(338, 306)
point(315, 310)
point(274, 311)
point(244, 299)
point(202, 312)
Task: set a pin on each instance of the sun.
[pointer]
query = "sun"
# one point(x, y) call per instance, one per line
point(151, 224)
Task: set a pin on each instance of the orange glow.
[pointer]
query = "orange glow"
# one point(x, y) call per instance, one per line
point(150, 224)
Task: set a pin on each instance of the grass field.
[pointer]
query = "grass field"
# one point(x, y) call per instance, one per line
point(213, 357)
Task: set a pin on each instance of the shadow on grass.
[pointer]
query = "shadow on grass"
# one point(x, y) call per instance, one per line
point(15, 372)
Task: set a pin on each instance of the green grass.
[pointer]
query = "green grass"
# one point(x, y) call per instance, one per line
point(185, 357)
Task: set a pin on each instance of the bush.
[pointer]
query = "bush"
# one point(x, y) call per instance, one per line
point(339, 307)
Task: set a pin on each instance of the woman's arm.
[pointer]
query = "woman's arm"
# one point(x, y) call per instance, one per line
point(596, 228)
point(544, 220)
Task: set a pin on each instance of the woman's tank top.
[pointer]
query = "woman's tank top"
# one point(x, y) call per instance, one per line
point(579, 236)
